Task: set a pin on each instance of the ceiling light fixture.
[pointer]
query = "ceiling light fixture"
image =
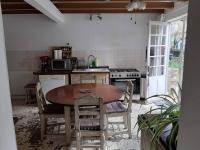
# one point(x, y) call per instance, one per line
point(136, 4)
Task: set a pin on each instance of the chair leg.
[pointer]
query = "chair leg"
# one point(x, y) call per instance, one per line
point(43, 126)
point(27, 96)
point(129, 125)
point(67, 125)
point(102, 141)
point(78, 141)
point(125, 121)
point(106, 132)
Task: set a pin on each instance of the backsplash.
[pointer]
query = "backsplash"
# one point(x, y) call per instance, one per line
point(29, 61)
point(116, 41)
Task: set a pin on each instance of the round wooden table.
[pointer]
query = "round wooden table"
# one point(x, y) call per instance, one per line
point(66, 95)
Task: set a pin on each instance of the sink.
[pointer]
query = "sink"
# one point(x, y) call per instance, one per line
point(92, 70)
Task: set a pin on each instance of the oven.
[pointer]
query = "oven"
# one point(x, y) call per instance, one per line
point(121, 83)
point(120, 76)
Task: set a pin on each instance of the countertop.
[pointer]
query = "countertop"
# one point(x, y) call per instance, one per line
point(76, 71)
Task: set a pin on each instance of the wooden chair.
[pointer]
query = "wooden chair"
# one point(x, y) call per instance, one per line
point(47, 111)
point(30, 92)
point(121, 109)
point(88, 78)
point(89, 122)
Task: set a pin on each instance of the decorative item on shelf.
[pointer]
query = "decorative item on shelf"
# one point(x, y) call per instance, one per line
point(44, 63)
point(67, 51)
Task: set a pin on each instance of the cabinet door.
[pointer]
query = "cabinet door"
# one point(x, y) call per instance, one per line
point(75, 78)
point(102, 78)
point(49, 82)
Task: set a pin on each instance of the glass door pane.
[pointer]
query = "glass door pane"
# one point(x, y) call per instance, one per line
point(177, 35)
point(156, 58)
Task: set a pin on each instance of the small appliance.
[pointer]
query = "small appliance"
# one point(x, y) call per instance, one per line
point(61, 64)
point(57, 54)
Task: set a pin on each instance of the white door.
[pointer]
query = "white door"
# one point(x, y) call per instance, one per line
point(156, 58)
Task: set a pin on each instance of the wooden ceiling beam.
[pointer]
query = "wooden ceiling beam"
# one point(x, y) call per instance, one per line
point(113, 0)
point(29, 11)
point(88, 1)
point(88, 6)
point(104, 1)
point(108, 10)
point(91, 10)
point(153, 5)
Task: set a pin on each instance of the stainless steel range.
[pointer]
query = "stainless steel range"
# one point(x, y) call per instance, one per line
point(120, 76)
point(124, 73)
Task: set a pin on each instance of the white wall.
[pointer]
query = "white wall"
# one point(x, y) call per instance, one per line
point(7, 134)
point(116, 41)
point(190, 121)
point(180, 8)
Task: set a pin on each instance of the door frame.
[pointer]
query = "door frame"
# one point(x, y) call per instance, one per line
point(7, 129)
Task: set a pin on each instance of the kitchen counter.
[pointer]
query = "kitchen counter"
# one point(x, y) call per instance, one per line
point(91, 70)
point(76, 71)
point(52, 79)
point(51, 72)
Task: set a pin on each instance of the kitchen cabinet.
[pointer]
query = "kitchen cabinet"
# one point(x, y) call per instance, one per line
point(52, 79)
point(102, 78)
point(49, 82)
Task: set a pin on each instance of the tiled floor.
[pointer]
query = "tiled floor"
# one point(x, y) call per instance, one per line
point(28, 131)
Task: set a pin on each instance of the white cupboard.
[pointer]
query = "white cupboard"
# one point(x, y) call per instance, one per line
point(49, 82)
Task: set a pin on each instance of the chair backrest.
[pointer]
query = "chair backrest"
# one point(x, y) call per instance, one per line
point(88, 78)
point(40, 98)
point(129, 94)
point(89, 113)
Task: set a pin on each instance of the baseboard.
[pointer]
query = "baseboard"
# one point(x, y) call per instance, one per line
point(18, 97)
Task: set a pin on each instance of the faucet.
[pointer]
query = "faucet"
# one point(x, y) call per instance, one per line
point(91, 56)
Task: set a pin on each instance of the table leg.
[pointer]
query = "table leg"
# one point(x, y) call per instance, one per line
point(67, 125)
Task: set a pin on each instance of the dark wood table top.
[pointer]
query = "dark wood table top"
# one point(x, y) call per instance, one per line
point(66, 95)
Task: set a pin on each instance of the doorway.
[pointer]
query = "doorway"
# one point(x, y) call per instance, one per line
point(165, 56)
point(177, 39)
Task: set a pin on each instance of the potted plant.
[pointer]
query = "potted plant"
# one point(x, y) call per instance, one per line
point(164, 123)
